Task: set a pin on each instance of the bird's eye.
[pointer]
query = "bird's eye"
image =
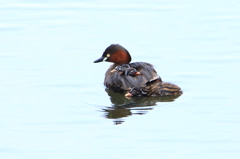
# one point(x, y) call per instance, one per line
point(108, 55)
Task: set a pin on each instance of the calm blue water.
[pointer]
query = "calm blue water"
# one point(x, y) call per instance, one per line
point(54, 104)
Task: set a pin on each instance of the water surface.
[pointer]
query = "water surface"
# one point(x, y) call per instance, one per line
point(54, 104)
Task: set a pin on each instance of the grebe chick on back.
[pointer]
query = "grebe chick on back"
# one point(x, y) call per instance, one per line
point(155, 88)
point(126, 69)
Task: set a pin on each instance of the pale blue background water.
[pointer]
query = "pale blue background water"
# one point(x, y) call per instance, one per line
point(52, 95)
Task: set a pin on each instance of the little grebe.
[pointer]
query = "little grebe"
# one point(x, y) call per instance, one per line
point(155, 88)
point(118, 81)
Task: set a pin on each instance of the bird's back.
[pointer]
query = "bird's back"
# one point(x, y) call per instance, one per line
point(119, 82)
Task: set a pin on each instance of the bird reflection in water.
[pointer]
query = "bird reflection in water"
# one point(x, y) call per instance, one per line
point(124, 107)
